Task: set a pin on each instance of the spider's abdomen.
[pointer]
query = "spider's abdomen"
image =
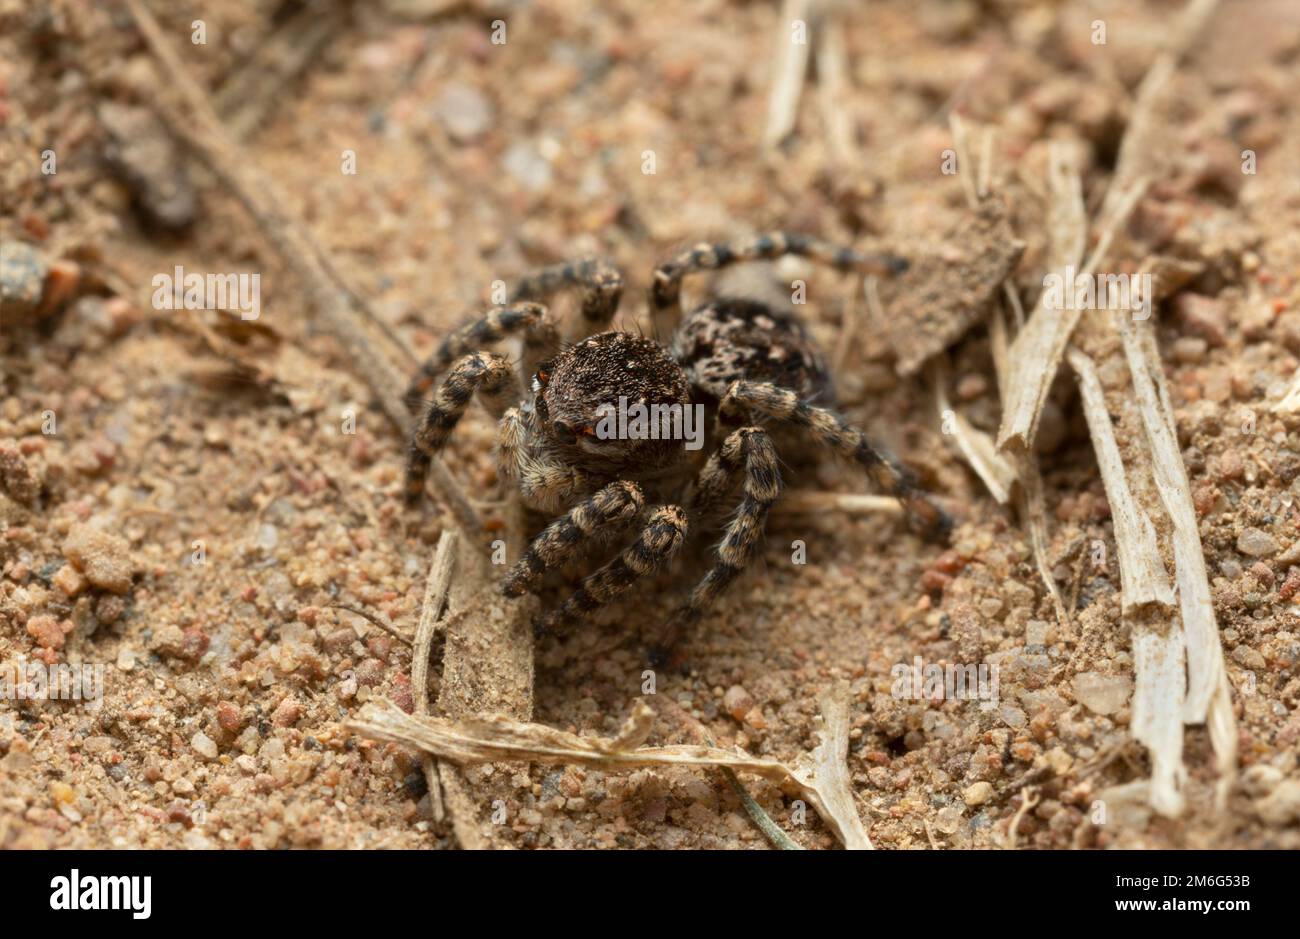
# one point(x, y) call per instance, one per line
point(732, 338)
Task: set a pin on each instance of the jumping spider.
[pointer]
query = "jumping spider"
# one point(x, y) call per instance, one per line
point(754, 369)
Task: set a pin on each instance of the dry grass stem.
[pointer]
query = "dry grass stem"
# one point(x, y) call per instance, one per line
point(821, 776)
point(804, 502)
point(1142, 573)
point(435, 597)
point(977, 447)
point(790, 71)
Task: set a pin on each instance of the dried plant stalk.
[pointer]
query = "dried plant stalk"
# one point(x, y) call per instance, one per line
point(197, 126)
point(435, 595)
point(833, 91)
point(803, 502)
point(1206, 674)
point(791, 69)
point(821, 776)
point(1036, 352)
point(1158, 691)
point(977, 447)
point(1142, 574)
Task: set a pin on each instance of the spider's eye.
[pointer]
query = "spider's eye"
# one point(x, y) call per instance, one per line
point(563, 432)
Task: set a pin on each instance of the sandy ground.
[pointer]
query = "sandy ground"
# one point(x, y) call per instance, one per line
point(191, 525)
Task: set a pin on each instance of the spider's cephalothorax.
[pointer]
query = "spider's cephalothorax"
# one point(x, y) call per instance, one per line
point(574, 456)
point(575, 391)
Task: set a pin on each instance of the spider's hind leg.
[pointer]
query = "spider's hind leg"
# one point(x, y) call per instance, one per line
point(666, 282)
point(831, 429)
point(600, 282)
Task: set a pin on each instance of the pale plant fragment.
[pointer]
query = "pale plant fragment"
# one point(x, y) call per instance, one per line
point(670, 709)
point(435, 596)
point(1033, 508)
point(1180, 676)
point(852, 321)
point(997, 473)
point(487, 668)
point(965, 169)
point(1158, 690)
point(804, 502)
point(1028, 800)
point(1207, 697)
point(791, 69)
point(1133, 148)
point(833, 91)
point(977, 447)
point(1141, 571)
point(1068, 231)
point(1170, 688)
point(1289, 403)
point(1036, 352)
point(982, 189)
point(1069, 226)
point(822, 776)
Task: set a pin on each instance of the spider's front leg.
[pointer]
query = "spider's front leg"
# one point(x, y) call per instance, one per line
point(600, 282)
point(745, 399)
point(541, 341)
point(486, 373)
point(747, 454)
point(605, 514)
point(660, 539)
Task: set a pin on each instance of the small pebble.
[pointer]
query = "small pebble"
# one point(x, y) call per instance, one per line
point(1203, 316)
point(22, 280)
point(69, 580)
point(229, 717)
point(737, 702)
point(528, 167)
point(464, 111)
point(1256, 543)
point(48, 631)
point(204, 746)
point(287, 714)
point(1102, 694)
point(1282, 805)
point(104, 558)
point(1190, 350)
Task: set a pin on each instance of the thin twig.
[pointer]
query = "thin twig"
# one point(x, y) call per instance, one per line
point(373, 620)
point(1027, 802)
point(435, 596)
